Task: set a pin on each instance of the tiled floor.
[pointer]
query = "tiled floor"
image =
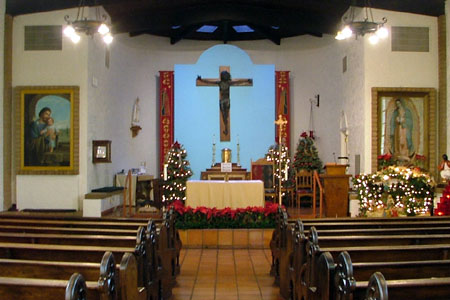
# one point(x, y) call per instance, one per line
point(225, 274)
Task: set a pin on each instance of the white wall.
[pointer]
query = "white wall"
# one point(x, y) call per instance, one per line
point(105, 109)
point(66, 67)
point(353, 97)
point(384, 68)
point(377, 66)
point(135, 63)
point(2, 48)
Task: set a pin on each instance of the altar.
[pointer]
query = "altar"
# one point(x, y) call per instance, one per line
point(215, 173)
point(221, 194)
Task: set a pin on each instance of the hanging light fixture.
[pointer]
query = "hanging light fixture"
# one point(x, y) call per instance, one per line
point(351, 26)
point(90, 27)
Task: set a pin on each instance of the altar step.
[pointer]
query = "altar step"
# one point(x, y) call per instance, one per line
point(226, 238)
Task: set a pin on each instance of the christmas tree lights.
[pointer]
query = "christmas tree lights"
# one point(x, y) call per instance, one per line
point(176, 172)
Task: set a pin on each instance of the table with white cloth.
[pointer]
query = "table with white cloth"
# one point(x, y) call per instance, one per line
point(221, 194)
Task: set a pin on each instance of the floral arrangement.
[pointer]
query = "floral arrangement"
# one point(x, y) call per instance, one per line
point(387, 160)
point(395, 191)
point(201, 217)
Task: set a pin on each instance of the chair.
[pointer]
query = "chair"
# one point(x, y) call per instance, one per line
point(263, 170)
point(303, 185)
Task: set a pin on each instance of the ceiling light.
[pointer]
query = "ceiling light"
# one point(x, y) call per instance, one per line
point(87, 26)
point(376, 30)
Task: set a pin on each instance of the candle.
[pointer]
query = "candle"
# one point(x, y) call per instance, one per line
point(165, 172)
point(286, 172)
point(214, 139)
point(238, 139)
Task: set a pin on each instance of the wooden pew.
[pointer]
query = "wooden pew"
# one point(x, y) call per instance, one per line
point(106, 276)
point(162, 245)
point(76, 253)
point(27, 223)
point(105, 273)
point(76, 288)
point(356, 226)
point(348, 276)
point(288, 244)
point(290, 254)
point(311, 274)
point(415, 289)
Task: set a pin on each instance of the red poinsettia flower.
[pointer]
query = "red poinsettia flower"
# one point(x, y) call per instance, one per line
point(420, 157)
point(304, 134)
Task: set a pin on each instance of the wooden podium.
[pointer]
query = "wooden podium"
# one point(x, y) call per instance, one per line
point(336, 186)
point(215, 173)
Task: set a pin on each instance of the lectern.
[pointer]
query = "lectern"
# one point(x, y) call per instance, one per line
point(336, 186)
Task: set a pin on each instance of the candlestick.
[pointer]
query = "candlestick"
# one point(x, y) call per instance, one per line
point(238, 148)
point(213, 162)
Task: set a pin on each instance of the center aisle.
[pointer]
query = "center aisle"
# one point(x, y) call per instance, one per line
point(225, 274)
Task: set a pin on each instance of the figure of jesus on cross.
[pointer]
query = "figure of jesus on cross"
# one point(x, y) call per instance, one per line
point(224, 99)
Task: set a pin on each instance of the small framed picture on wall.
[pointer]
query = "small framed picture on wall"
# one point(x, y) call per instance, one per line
point(101, 151)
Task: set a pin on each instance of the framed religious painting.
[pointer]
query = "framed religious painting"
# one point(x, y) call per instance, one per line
point(47, 130)
point(403, 127)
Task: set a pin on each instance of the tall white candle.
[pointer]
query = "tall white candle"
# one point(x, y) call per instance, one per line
point(165, 172)
point(286, 172)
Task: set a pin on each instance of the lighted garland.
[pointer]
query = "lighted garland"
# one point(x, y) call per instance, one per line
point(275, 155)
point(395, 189)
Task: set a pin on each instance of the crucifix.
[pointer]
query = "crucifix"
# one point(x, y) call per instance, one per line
point(224, 96)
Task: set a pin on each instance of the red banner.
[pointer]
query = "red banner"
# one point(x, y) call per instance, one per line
point(282, 104)
point(166, 114)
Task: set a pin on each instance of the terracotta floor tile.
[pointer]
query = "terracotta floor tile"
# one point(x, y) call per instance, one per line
point(225, 274)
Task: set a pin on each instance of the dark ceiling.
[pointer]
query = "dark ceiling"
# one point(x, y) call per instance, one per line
point(269, 19)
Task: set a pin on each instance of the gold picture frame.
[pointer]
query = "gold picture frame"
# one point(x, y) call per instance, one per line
point(47, 130)
point(403, 126)
point(101, 151)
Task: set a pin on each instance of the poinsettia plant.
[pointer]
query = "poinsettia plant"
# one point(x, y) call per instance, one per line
point(204, 217)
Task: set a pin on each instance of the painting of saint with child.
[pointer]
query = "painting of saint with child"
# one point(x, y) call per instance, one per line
point(47, 130)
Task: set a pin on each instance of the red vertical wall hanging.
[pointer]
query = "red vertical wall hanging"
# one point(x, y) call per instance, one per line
point(282, 104)
point(166, 120)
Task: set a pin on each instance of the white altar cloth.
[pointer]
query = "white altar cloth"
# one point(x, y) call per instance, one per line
point(221, 194)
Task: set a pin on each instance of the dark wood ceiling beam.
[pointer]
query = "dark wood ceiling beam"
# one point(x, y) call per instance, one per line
point(270, 36)
point(178, 35)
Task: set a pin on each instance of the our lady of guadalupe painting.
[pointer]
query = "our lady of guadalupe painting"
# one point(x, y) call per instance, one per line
point(48, 130)
point(403, 133)
point(403, 128)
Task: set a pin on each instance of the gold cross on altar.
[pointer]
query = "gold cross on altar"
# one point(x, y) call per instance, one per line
point(224, 84)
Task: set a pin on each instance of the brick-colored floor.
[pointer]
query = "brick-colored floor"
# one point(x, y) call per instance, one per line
point(225, 274)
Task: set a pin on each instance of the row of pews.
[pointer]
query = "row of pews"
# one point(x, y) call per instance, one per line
point(88, 258)
point(377, 259)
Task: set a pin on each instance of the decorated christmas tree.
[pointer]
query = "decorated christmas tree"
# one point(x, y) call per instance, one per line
point(175, 174)
point(307, 157)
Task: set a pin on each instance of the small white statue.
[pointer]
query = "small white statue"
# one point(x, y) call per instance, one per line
point(135, 115)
